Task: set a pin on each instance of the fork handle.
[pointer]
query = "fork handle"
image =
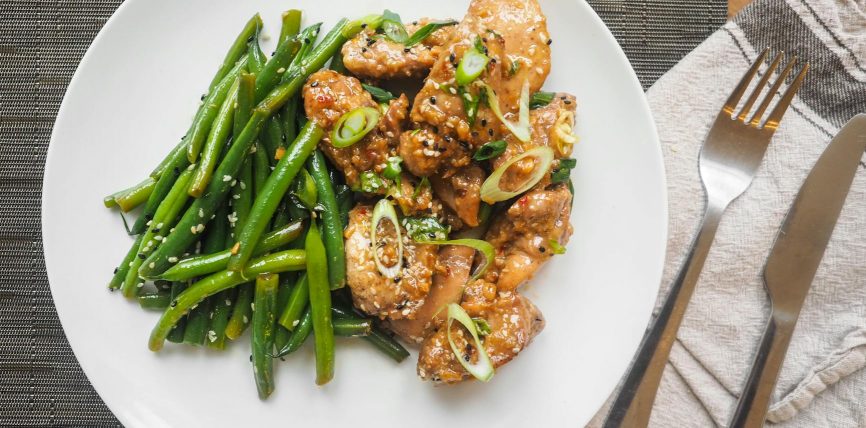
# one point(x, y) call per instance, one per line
point(633, 404)
point(755, 399)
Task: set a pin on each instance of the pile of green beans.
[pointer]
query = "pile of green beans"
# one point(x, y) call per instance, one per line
point(219, 247)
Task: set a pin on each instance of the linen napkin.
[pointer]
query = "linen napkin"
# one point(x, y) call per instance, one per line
point(821, 383)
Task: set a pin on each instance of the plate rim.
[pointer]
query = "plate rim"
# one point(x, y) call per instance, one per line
point(635, 87)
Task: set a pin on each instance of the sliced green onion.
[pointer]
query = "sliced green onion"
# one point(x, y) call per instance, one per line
point(479, 245)
point(425, 182)
point(425, 31)
point(562, 173)
point(481, 370)
point(515, 67)
point(491, 192)
point(470, 103)
point(541, 99)
point(555, 246)
point(425, 229)
point(393, 27)
point(392, 168)
point(371, 182)
point(490, 150)
point(354, 126)
point(384, 209)
point(471, 66)
point(521, 129)
point(379, 94)
point(482, 326)
point(372, 22)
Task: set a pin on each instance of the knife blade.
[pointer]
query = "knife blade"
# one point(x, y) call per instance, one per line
point(794, 260)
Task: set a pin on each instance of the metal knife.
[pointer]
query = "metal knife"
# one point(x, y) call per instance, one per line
point(794, 260)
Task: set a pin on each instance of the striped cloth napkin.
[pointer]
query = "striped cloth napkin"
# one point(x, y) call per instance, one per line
point(821, 384)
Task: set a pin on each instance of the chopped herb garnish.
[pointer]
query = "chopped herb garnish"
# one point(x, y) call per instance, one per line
point(555, 246)
point(482, 326)
point(371, 182)
point(425, 229)
point(490, 150)
point(379, 94)
point(540, 99)
point(392, 168)
point(425, 182)
point(562, 172)
point(425, 31)
point(393, 27)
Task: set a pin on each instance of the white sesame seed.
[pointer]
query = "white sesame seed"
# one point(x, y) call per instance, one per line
point(281, 70)
point(149, 222)
point(515, 350)
point(234, 182)
point(228, 302)
point(453, 91)
point(172, 259)
point(246, 320)
point(539, 70)
point(236, 196)
point(159, 226)
point(227, 178)
point(243, 185)
point(295, 323)
point(192, 230)
point(253, 306)
point(158, 237)
point(199, 228)
point(152, 265)
point(139, 285)
point(211, 335)
point(201, 212)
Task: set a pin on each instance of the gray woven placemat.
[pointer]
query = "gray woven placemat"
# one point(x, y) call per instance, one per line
point(41, 43)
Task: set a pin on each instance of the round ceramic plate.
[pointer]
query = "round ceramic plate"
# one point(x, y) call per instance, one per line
point(133, 97)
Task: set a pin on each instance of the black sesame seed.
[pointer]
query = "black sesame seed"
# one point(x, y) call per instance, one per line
point(433, 100)
point(490, 131)
point(435, 129)
point(314, 84)
point(493, 60)
point(563, 97)
point(115, 270)
point(203, 96)
point(398, 278)
point(407, 50)
point(142, 256)
point(273, 52)
point(173, 303)
point(446, 138)
point(484, 122)
point(549, 42)
point(567, 101)
point(542, 249)
point(464, 144)
point(148, 216)
point(307, 40)
point(371, 42)
point(474, 133)
point(156, 230)
point(176, 171)
point(363, 26)
point(364, 50)
point(250, 39)
point(251, 357)
point(414, 22)
point(452, 58)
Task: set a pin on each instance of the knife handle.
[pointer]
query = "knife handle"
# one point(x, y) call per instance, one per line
point(755, 398)
point(634, 402)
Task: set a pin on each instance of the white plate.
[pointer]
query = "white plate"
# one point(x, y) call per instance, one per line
point(132, 98)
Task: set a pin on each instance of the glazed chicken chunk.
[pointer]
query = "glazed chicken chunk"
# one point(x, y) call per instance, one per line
point(513, 34)
point(375, 294)
point(329, 95)
point(514, 321)
point(524, 237)
point(371, 57)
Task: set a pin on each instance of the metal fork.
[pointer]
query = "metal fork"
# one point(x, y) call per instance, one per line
point(732, 152)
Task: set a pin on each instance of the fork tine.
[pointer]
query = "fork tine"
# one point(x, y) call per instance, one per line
point(734, 99)
point(780, 109)
point(756, 118)
point(744, 113)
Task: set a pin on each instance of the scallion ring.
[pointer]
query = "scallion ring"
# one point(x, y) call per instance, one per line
point(483, 368)
point(471, 66)
point(521, 129)
point(354, 126)
point(384, 209)
point(491, 192)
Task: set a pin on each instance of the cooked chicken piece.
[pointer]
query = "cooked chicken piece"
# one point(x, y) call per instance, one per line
point(514, 321)
point(514, 34)
point(378, 58)
point(452, 272)
point(551, 126)
point(461, 192)
point(329, 95)
point(522, 236)
point(372, 292)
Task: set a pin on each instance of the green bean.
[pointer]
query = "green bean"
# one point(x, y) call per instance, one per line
point(245, 102)
point(257, 58)
point(198, 319)
point(241, 312)
point(385, 343)
point(231, 163)
point(238, 48)
point(210, 263)
point(222, 309)
point(201, 124)
point(242, 197)
point(345, 201)
point(176, 333)
point(287, 283)
point(120, 271)
point(298, 300)
point(291, 24)
point(273, 191)
point(165, 162)
point(320, 305)
point(272, 137)
point(132, 197)
point(210, 108)
point(263, 333)
point(213, 284)
point(353, 327)
point(332, 224)
point(299, 334)
point(155, 301)
point(290, 122)
point(261, 168)
point(162, 220)
point(276, 66)
point(213, 146)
